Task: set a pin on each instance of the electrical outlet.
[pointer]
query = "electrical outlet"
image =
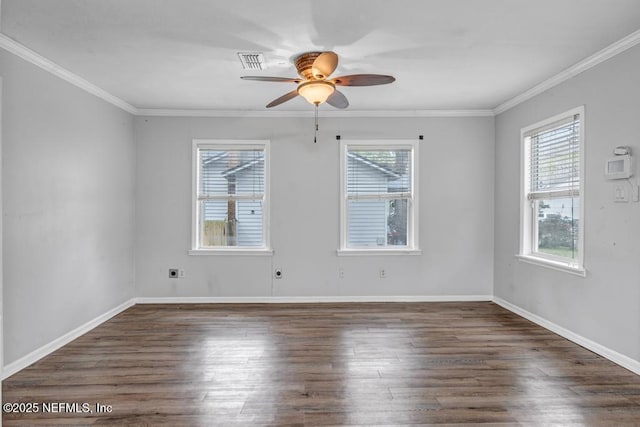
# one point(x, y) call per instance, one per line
point(181, 273)
point(383, 273)
point(278, 273)
point(341, 273)
point(174, 273)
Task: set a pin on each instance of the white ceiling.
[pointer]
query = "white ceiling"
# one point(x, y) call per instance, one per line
point(445, 54)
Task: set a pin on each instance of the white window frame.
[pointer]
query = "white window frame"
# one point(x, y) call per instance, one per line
point(528, 214)
point(227, 144)
point(412, 247)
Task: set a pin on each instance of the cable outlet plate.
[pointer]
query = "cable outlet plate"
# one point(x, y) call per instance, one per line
point(176, 273)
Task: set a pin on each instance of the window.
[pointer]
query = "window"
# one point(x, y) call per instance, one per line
point(552, 208)
point(378, 197)
point(230, 196)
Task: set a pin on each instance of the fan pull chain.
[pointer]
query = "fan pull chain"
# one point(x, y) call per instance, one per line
point(315, 134)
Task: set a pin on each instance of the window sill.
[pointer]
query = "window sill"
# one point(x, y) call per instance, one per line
point(554, 265)
point(232, 252)
point(385, 252)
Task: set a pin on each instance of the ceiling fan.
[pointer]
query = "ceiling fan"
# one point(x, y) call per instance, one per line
point(315, 85)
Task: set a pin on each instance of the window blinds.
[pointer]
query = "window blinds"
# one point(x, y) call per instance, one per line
point(228, 173)
point(231, 193)
point(379, 190)
point(378, 174)
point(554, 167)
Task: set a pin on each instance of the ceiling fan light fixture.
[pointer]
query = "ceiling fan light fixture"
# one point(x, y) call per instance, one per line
point(314, 85)
point(316, 91)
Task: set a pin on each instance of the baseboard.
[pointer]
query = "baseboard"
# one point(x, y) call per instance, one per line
point(54, 345)
point(612, 355)
point(311, 299)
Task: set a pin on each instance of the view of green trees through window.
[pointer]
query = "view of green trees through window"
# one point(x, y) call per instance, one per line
point(558, 226)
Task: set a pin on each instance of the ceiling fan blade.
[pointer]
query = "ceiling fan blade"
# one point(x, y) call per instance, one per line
point(338, 100)
point(283, 98)
point(324, 65)
point(271, 79)
point(363, 80)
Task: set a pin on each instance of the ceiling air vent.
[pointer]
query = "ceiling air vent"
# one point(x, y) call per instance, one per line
point(252, 60)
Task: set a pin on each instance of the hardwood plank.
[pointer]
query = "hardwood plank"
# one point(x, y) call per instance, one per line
point(325, 364)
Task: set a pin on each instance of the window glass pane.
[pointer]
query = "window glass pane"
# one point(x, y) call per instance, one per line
point(377, 222)
point(215, 227)
point(231, 223)
point(378, 172)
point(558, 225)
point(230, 195)
point(249, 225)
point(231, 172)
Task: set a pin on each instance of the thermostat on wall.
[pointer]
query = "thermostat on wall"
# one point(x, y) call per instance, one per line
point(618, 167)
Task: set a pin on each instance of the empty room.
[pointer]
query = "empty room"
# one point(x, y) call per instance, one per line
point(419, 212)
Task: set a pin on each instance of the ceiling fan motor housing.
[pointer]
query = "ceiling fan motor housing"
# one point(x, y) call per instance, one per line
point(304, 63)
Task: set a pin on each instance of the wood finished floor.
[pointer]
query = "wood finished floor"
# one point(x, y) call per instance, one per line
point(326, 364)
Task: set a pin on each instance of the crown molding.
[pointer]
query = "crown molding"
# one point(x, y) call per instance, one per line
point(599, 57)
point(29, 55)
point(167, 112)
point(152, 112)
point(35, 58)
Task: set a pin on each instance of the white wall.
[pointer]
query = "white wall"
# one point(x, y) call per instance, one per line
point(68, 195)
point(1, 251)
point(456, 210)
point(605, 306)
